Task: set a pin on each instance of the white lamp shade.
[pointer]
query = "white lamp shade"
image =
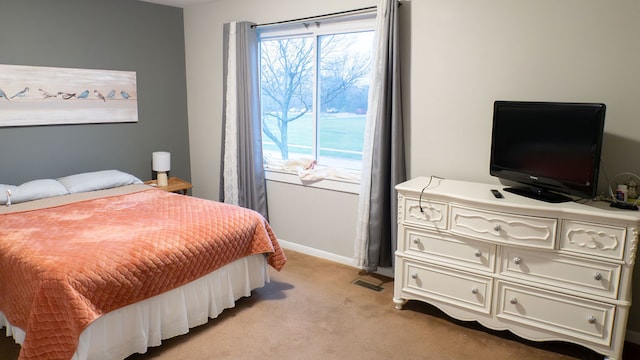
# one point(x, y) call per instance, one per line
point(161, 161)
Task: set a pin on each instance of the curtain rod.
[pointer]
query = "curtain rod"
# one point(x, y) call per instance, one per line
point(316, 17)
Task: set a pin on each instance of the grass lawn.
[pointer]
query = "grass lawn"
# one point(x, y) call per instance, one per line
point(341, 135)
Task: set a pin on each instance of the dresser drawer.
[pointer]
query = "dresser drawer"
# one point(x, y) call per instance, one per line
point(436, 247)
point(593, 239)
point(423, 212)
point(459, 288)
point(562, 314)
point(536, 232)
point(590, 277)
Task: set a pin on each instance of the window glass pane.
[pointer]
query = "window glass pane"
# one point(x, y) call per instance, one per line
point(345, 61)
point(314, 92)
point(286, 76)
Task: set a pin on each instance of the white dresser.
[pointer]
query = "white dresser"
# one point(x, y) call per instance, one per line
point(543, 271)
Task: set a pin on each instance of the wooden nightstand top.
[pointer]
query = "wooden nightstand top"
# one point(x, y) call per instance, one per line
point(175, 185)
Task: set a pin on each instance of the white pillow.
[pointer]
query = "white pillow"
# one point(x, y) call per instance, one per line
point(97, 180)
point(32, 190)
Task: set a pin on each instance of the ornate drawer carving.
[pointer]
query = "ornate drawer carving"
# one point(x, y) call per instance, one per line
point(564, 272)
point(427, 213)
point(461, 288)
point(565, 315)
point(435, 247)
point(593, 239)
point(536, 232)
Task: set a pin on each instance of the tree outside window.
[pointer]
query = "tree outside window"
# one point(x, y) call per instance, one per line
point(314, 93)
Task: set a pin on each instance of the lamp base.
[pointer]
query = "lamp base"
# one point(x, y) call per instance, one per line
point(162, 179)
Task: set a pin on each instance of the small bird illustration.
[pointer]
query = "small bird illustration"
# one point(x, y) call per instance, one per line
point(99, 95)
point(111, 94)
point(65, 95)
point(22, 93)
point(83, 95)
point(46, 95)
point(124, 94)
point(3, 95)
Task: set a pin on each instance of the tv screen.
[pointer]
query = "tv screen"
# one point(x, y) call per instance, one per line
point(548, 147)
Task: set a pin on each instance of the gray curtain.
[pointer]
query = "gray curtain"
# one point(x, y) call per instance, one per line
point(241, 89)
point(388, 158)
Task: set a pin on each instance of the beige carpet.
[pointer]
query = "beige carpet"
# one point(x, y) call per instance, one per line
point(311, 310)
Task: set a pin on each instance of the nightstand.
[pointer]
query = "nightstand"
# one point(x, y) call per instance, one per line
point(176, 185)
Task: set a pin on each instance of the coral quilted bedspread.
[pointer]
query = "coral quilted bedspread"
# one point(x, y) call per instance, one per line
point(62, 267)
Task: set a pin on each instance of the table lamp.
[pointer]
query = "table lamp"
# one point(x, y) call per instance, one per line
point(161, 163)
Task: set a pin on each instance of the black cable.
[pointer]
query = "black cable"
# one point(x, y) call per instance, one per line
point(425, 188)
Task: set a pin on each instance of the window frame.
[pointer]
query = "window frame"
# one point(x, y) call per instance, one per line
point(316, 28)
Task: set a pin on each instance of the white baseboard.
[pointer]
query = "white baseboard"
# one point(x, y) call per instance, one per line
point(317, 253)
point(328, 256)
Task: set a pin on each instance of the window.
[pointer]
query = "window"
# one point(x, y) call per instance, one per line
point(314, 84)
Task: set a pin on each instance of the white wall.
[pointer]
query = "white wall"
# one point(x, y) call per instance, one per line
point(459, 56)
point(466, 54)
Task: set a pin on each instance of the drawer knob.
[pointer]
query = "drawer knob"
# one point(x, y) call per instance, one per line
point(478, 253)
point(591, 319)
point(414, 276)
point(416, 241)
point(513, 301)
point(517, 260)
point(497, 228)
point(475, 291)
point(597, 276)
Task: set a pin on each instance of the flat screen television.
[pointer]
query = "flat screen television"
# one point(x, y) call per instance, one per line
point(548, 148)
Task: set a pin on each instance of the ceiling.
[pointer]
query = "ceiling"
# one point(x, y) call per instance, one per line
point(179, 3)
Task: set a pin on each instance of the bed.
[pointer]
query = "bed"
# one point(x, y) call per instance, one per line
point(106, 273)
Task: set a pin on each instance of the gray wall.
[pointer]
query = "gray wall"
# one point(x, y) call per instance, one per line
point(122, 35)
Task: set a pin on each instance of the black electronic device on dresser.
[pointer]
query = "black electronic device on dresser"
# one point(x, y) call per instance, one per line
point(550, 148)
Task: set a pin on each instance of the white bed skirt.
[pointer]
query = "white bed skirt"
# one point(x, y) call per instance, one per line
point(134, 328)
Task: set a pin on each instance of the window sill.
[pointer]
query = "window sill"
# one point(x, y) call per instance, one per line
point(334, 184)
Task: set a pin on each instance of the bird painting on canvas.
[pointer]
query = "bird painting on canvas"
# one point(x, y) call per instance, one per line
point(46, 94)
point(65, 95)
point(99, 95)
point(83, 95)
point(21, 93)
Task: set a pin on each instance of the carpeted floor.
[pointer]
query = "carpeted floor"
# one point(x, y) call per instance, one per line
point(312, 310)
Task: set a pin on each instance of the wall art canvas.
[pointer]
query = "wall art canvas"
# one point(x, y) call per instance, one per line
point(36, 95)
